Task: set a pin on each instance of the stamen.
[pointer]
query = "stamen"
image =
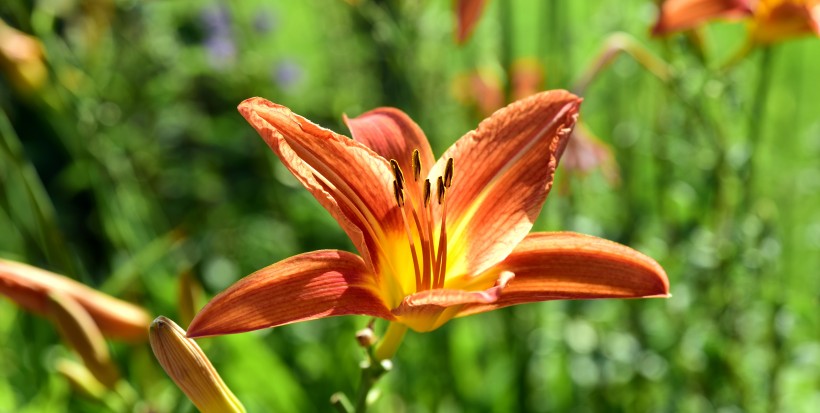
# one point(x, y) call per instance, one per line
point(431, 267)
point(442, 190)
point(448, 173)
point(398, 193)
point(441, 258)
point(427, 192)
point(397, 173)
point(416, 165)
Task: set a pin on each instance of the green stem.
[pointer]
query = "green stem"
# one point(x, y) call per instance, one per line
point(755, 127)
point(614, 45)
point(372, 370)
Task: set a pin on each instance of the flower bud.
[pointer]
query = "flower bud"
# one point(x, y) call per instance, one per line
point(21, 58)
point(190, 369)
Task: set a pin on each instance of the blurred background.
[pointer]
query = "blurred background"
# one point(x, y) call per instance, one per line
point(124, 164)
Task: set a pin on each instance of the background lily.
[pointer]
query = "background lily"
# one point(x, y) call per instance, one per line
point(677, 15)
point(437, 239)
point(30, 287)
point(770, 21)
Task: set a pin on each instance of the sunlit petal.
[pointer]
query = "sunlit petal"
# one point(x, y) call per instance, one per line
point(503, 172)
point(347, 178)
point(566, 265)
point(304, 287)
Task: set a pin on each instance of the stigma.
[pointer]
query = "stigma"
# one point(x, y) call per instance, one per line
point(415, 201)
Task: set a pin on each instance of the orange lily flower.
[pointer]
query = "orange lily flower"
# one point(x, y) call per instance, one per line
point(770, 21)
point(436, 240)
point(677, 15)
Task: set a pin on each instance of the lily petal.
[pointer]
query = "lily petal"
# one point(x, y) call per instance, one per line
point(428, 310)
point(775, 21)
point(304, 287)
point(503, 172)
point(467, 14)
point(677, 15)
point(393, 135)
point(566, 265)
point(351, 181)
point(30, 286)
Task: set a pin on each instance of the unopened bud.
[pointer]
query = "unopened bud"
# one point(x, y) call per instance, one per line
point(366, 337)
point(190, 368)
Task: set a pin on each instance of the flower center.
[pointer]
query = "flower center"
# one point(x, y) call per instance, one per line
point(415, 204)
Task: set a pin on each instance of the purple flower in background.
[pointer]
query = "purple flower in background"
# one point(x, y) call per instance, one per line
point(219, 41)
point(265, 21)
point(287, 74)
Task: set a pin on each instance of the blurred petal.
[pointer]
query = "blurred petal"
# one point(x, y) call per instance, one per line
point(351, 181)
point(586, 152)
point(677, 15)
point(778, 20)
point(393, 135)
point(29, 287)
point(304, 287)
point(190, 368)
point(22, 60)
point(503, 172)
point(566, 265)
point(467, 14)
point(527, 77)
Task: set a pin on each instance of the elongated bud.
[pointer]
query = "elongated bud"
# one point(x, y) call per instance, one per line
point(190, 369)
point(81, 379)
point(77, 328)
point(29, 287)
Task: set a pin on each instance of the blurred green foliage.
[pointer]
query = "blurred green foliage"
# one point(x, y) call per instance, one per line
point(129, 166)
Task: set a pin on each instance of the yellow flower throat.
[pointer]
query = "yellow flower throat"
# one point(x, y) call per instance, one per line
point(414, 202)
